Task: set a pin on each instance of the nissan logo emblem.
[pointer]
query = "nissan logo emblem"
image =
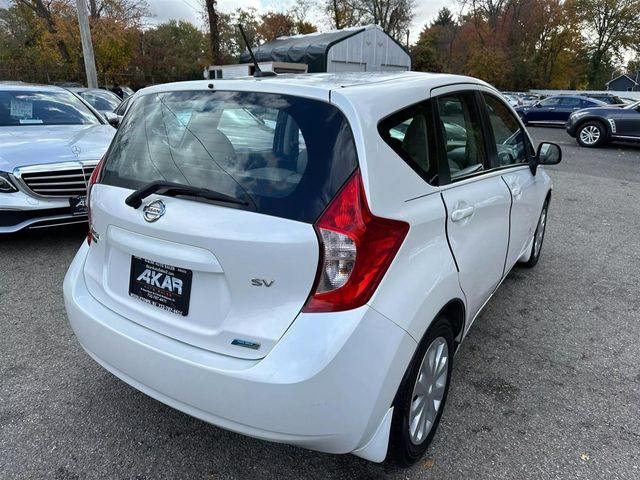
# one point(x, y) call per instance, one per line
point(154, 210)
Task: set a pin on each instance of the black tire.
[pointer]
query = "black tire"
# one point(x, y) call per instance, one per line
point(591, 134)
point(402, 451)
point(535, 252)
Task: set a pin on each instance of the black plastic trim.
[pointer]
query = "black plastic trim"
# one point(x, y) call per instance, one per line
point(10, 218)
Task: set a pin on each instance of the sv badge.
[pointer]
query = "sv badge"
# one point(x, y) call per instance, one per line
point(259, 282)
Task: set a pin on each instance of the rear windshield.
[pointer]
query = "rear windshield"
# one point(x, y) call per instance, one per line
point(290, 155)
point(43, 108)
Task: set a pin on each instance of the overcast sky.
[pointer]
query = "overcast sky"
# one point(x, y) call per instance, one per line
point(164, 10)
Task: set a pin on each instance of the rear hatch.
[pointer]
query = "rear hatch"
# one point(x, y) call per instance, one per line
point(230, 269)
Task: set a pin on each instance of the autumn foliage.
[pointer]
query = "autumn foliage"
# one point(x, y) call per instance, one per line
point(519, 44)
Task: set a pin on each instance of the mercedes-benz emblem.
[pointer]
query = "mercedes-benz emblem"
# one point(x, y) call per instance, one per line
point(154, 210)
point(76, 150)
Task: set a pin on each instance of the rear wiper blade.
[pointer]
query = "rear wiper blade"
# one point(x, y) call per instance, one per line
point(169, 188)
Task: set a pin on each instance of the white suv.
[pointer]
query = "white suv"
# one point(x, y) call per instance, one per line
point(298, 258)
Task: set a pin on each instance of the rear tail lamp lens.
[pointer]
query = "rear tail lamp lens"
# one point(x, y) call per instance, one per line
point(92, 181)
point(356, 249)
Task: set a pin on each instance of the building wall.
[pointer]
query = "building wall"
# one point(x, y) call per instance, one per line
point(621, 85)
point(369, 51)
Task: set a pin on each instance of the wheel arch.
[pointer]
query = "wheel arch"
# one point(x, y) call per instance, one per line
point(602, 121)
point(454, 311)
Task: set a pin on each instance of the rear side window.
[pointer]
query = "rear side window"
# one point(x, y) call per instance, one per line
point(407, 133)
point(290, 155)
point(571, 102)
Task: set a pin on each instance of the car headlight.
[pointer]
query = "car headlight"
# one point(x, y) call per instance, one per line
point(6, 186)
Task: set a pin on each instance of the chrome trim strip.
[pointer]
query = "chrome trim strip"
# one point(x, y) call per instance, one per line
point(57, 220)
point(33, 227)
point(53, 167)
point(625, 137)
point(82, 165)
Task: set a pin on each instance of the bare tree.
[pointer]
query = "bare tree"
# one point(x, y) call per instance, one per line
point(394, 16)
point(214, 31)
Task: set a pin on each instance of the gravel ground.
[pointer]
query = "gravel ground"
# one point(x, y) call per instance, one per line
point(547, 384)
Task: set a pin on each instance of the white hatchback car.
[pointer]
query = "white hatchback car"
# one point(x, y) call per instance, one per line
point(298, 258)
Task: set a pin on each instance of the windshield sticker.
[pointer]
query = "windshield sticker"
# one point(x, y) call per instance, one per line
point(21, 109)
point(30, 121)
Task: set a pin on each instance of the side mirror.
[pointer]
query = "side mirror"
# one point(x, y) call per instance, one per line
point(549, 154)
point(537, 105)
point(112, 118)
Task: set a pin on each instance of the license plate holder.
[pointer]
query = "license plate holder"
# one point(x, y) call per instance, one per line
point(78, 205)
point(163, 286)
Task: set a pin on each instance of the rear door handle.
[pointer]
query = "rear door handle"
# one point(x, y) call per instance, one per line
point(516, 191)
point(462, 213)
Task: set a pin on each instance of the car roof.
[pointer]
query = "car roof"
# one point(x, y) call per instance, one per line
point(315, 84)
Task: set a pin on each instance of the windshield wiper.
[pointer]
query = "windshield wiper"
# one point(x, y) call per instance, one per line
point(173, 189)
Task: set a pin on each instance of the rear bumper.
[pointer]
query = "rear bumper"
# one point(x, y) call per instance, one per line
point(326, 385)
point(19, 211)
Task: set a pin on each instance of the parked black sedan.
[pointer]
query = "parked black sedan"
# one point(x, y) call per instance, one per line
point(593, 127)
point(555, 110)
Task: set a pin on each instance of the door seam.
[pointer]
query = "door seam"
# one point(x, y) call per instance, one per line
point(446, 232)
point(506, 256)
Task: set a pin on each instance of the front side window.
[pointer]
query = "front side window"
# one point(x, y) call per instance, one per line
point(509, 137)
point(30, 107)
point(285, 156)
point(462, 132)
point(407, 133)
point(550, 102)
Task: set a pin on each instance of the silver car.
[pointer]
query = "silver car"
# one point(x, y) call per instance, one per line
point(50, 143)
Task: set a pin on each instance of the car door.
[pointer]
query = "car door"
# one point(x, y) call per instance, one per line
point(567, 106)
point(628, 122)
point(511, 157)
point(477, 202)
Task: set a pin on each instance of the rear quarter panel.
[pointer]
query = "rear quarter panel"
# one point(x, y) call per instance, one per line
point(423, 277)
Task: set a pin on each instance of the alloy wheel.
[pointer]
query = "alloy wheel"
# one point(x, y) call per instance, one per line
point(537, 245)
point(590, 135)
point(429, 390)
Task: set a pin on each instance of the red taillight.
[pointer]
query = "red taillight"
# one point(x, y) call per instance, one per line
point(356, 249)
point(92, 180)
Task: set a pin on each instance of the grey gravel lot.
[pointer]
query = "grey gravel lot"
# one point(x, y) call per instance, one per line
point(547, 384)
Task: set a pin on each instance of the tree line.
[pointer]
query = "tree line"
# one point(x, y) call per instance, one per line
point(521, 44)
point(514, 44)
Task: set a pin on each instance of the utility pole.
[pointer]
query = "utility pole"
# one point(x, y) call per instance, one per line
point(87, 45)
point(214, 32)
